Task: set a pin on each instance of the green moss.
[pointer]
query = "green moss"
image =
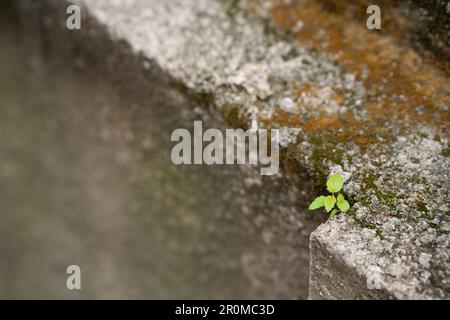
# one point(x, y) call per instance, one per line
point(425, 213)
point(368, 225)
point(205, 99)
point(231, 7)
point(438, 284)
point(234, 117)
point(386, 197)
point(320, 178)
point(422, 207)
point(446, 152)
point(324, 150)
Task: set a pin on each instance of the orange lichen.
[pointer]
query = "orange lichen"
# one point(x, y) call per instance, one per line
point(402, 86)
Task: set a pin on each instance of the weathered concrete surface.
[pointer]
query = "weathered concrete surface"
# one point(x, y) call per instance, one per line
point(86, 179)
point(333, 278)
point(392, 140)
point(423, 24)
point(365, 104)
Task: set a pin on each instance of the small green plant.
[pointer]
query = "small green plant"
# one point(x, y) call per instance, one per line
point(334, 185)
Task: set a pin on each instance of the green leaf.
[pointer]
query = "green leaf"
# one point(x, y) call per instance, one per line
point(340, 198)
point(317, 203)
point(344, 206)
point(333, 213)
point(334, 183)
point(329, 203)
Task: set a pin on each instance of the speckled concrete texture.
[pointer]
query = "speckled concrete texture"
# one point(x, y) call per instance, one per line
point(388, 136)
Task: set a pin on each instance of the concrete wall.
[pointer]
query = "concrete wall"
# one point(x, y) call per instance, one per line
point(101, 104)
point(138, 225)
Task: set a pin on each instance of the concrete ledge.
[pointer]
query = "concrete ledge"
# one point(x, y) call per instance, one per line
point(333, 277)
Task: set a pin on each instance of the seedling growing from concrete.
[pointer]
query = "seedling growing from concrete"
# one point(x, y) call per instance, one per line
point(334, 186)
